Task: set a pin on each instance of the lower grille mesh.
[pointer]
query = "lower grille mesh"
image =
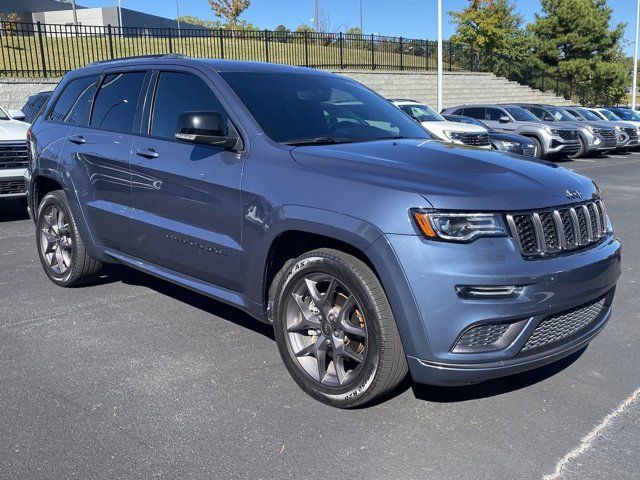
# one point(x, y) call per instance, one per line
point(12, 186)
point(482, 335)
point(563, 325)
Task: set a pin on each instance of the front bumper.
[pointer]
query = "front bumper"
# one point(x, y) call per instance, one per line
point(560, 146)
point(12, 182)
point(549, 286)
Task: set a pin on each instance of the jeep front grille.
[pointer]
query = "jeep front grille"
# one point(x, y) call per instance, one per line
point(553, 231)
point(13, 155)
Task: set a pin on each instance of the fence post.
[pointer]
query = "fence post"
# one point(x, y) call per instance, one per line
point(42, 56)
point(542, 87)
point(373, 58)
point(110, 41)
point(221, 43)
point(426, 55)
point(401, 51)
point(450, 56)
point(306, 48)
point(170, 42)
point(557, 84)
point(266, 45)
point(341, 60)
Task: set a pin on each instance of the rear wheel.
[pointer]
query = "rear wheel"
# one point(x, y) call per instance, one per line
point(335, 330)
point(60, 247)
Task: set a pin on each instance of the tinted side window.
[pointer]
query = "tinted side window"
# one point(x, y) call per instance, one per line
point(177, 93)
point(493, 114)
point(474, 112)
point(538, 112)
point(117, 102)
point(74, 104)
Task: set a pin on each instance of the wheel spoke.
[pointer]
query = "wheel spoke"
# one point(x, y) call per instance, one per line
point(65, 243)
point(344, 318)
point(321, 358)
point(48, 220)
point(338, 365)
point(316, 296)
point(308, 320)
point(60, 260)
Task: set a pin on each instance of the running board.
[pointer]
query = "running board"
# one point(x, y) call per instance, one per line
point(212, 291)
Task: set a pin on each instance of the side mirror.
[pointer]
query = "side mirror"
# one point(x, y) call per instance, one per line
point(16, 114)
point(504, 119)
point(206, 128)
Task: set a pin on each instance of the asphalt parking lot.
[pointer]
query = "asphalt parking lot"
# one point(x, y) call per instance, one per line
point(137, 378)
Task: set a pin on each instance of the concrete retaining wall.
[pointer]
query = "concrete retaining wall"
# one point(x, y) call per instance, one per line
point(14, 92)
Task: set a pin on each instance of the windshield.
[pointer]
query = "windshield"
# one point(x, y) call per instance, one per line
point(587, 115)
point(609, 115)
point(561, 114)
point(521, 115)
point(300, 108)
point(627, 114)
point(3, 115)
point(421, 113)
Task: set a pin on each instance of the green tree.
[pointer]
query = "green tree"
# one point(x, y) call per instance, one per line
point(574, 38)
point(303, 27)
point(229, 9)
point(201, 22)
point(490, 25)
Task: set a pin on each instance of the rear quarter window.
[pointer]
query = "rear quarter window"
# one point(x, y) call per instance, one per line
point(74, 103)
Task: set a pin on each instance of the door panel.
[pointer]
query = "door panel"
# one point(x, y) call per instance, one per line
point(186, 197)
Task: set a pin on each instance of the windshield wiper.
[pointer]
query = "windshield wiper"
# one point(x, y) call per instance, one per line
point(320, 141)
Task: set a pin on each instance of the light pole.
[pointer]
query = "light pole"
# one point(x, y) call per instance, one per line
point(75, 15)
point(315, 16)
point(440, 55)
point(361, 30)
point(635, 60)
point(178, 17)
point(120, 16)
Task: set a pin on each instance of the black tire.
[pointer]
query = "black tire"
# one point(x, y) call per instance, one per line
point(538, 145)
point(82, 268)
point(384, 363)
point(580, 152)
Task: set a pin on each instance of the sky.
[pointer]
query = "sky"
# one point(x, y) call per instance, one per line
point(407, 18)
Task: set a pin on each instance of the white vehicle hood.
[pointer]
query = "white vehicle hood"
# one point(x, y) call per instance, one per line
point(438, 128)
point(11, 130)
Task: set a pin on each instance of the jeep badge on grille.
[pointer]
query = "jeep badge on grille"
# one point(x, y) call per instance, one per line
point(573, 194)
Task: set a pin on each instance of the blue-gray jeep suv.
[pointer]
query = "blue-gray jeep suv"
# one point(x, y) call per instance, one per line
point(313, 204)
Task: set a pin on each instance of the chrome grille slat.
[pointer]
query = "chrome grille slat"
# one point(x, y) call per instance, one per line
point(13, 155)
point(556, 230)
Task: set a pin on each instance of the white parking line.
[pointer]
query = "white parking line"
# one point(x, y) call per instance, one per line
point(587, 441)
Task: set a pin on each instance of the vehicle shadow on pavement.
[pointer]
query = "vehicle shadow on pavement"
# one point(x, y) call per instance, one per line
point(12, 210)
point(493, 387)
point(130, 276)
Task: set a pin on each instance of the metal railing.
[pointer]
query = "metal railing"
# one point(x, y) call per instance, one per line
point(48, 50)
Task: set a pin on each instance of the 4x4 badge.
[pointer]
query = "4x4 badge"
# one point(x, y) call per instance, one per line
point(573, 194)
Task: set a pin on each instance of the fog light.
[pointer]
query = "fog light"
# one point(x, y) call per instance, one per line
point(488, 292)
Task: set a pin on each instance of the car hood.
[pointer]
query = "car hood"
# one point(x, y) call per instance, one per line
point(439, 127)
point(450, 176)
point(510, 137)
point(13, 130)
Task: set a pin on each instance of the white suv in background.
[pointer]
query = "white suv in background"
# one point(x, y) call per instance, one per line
point(441, 129)
point(13, 153)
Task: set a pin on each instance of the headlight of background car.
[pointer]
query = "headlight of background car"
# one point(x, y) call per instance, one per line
point(459, 227)
point(617, 128)
point(506, 144)
point(454, 136)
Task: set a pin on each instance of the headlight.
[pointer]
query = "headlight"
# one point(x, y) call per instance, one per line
point(617, 128)
point(509, 144)
point(454, 136)
point(552, 131)
point(591, 129)
point(459, 227)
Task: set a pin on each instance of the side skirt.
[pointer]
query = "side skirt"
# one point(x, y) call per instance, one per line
point(212, 291)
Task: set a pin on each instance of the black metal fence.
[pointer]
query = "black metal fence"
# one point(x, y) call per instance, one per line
point(47, 50)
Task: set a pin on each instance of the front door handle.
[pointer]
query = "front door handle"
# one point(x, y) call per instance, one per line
point(147, 153)
point(78, 139)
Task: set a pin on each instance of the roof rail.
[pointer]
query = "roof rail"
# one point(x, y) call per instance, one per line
point(135, 57)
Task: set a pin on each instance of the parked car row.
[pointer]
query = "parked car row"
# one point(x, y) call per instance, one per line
point(13, 153)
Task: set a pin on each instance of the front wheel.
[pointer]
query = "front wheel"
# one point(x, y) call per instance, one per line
point(335, 330)
point(580, 151)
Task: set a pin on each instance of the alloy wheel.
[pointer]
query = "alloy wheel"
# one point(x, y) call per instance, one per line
point(56, 243)
point(326, 330)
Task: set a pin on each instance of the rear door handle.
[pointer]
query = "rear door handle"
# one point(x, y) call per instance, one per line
point(147, 153)
point(79, 139)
